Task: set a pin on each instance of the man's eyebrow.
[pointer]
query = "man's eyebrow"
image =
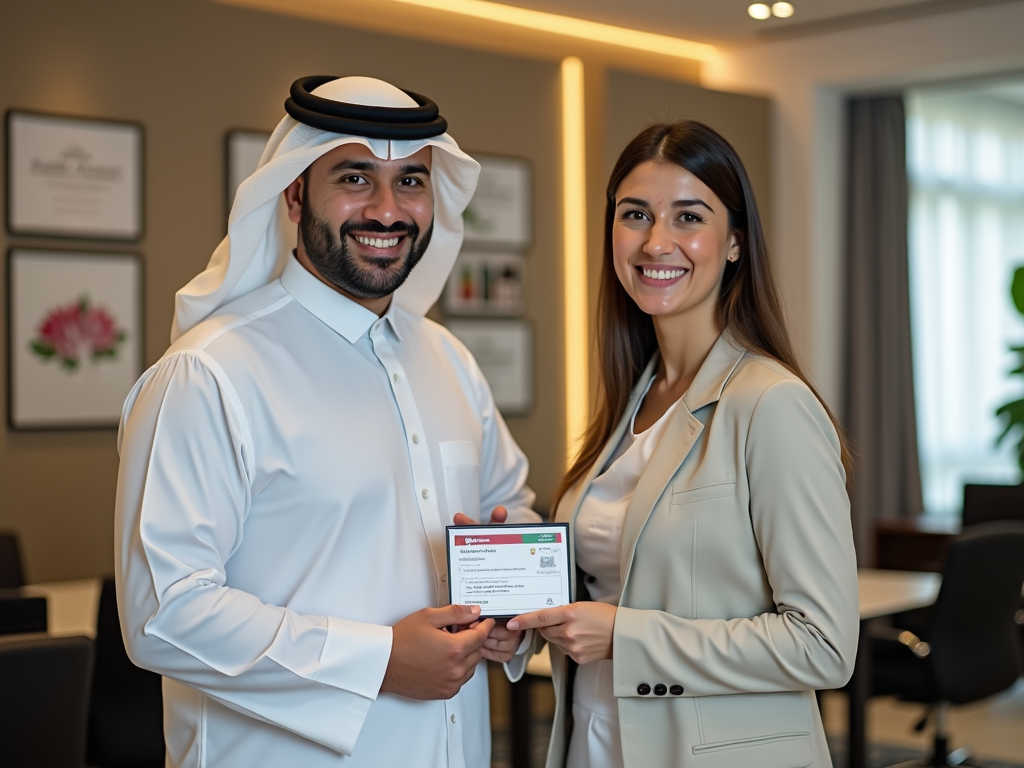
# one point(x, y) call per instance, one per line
point(414, 168)
point(688, 203)
point(354, 165)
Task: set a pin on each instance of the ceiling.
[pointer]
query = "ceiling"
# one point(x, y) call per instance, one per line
point(725, 22)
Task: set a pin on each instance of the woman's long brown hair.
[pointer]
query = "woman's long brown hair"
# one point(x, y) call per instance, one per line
point(748, 303)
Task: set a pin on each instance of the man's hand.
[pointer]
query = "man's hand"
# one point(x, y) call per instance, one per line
point(502, 644)
point(427, 661)
point(583, 630)
point(499, 515)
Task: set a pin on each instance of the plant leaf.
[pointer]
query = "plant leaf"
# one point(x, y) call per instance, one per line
point(1017, 289)
point(43, 350)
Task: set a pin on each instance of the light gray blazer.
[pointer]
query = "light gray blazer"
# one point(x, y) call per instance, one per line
point(739, 577)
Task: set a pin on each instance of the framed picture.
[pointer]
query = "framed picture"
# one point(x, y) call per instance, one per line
point(486, 284)
point(500, 212)
point(74, 337)
point(74, 177)
point(243, 150)
point(504, 351)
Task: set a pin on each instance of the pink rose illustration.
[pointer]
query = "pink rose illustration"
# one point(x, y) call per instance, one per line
point(76, 330)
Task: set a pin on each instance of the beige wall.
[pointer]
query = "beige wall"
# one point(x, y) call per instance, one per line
point(190, 70)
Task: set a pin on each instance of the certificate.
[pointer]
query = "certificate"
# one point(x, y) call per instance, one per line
point(74, 177)
point(508, 569)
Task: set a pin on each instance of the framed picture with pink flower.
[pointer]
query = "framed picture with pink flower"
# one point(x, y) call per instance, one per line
point(74, 337)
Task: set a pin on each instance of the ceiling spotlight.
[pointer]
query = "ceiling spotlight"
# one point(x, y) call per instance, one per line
point(759, 11)
point(782, 10)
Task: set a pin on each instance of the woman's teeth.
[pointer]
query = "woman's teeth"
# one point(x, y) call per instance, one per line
point(376, 242)
point(664, 274)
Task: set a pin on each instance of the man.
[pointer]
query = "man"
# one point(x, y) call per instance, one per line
point(289, 465)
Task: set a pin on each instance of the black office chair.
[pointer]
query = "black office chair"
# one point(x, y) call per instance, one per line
point(20, 613)
point(988, 503)
point(44, 696)
point(967, 649)
point(12, 575)
point(126, 728)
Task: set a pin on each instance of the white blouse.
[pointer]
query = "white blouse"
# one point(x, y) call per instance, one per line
point(598, 538)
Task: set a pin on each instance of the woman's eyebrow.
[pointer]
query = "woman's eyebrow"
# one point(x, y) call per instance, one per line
point(632, 201)
point(688, 203)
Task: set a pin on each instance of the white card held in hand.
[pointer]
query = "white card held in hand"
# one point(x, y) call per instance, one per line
point(509, 569)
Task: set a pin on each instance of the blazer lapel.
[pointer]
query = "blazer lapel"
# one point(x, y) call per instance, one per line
point(677, 440)
point(580, 491)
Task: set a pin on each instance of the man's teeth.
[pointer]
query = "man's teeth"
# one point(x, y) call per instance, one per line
point(377, 242)
point(664, 274)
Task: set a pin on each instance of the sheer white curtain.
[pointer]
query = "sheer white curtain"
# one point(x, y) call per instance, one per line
point(965, 159)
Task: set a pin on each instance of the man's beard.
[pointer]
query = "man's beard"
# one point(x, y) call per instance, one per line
point(336, 263)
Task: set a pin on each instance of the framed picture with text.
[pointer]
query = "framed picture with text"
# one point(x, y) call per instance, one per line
point(499, 215)
point(74, 177)
point(504, 351)
point(74, 337)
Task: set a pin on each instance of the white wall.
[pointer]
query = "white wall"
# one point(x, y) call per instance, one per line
point(808, 80)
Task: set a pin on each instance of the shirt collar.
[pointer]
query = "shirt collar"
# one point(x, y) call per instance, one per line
point(332, 308)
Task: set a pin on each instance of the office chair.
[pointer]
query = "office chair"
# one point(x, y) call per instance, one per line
point(20, 613)
point(987, 503)
point(126, 728)
point(43, 700)
point(968, 649)
point(12, 575)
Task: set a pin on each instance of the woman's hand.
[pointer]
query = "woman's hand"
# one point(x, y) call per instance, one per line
point(582, 630)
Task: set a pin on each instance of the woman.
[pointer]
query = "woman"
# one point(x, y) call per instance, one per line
point(708, 508)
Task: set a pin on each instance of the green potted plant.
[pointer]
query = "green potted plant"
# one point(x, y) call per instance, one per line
point(1012, 413)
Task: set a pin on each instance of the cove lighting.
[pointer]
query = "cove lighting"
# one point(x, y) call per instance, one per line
point(573, 27)
point(574, 256)
point(759, 11)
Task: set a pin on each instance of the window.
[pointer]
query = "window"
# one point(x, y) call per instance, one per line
point(965, 160)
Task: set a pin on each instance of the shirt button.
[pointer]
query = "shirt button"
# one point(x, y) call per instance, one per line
point(643, 689)
point(660, 689)
point(415, 438)
point(425, 493)
point(396, 378)
point(676, 690)
point(453, 718)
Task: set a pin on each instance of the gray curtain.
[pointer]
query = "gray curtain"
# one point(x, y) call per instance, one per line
point(879, 408)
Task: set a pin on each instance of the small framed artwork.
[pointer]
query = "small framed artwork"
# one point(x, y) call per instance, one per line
point(74, 177)
point(243, 150)
point(486, 284)
point(74, 337)
point(504, 351)
point(500, 212)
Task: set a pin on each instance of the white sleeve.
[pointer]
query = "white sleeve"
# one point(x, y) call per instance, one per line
point(183, 495)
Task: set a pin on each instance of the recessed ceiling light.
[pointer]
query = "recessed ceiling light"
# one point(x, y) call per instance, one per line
point(782, 10)
point(759, 11)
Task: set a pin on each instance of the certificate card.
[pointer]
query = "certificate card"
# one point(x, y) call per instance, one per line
point(508, 569)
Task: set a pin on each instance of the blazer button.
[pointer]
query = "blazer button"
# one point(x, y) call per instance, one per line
point(660, 689)
point(643, 689)
point(676, 690)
